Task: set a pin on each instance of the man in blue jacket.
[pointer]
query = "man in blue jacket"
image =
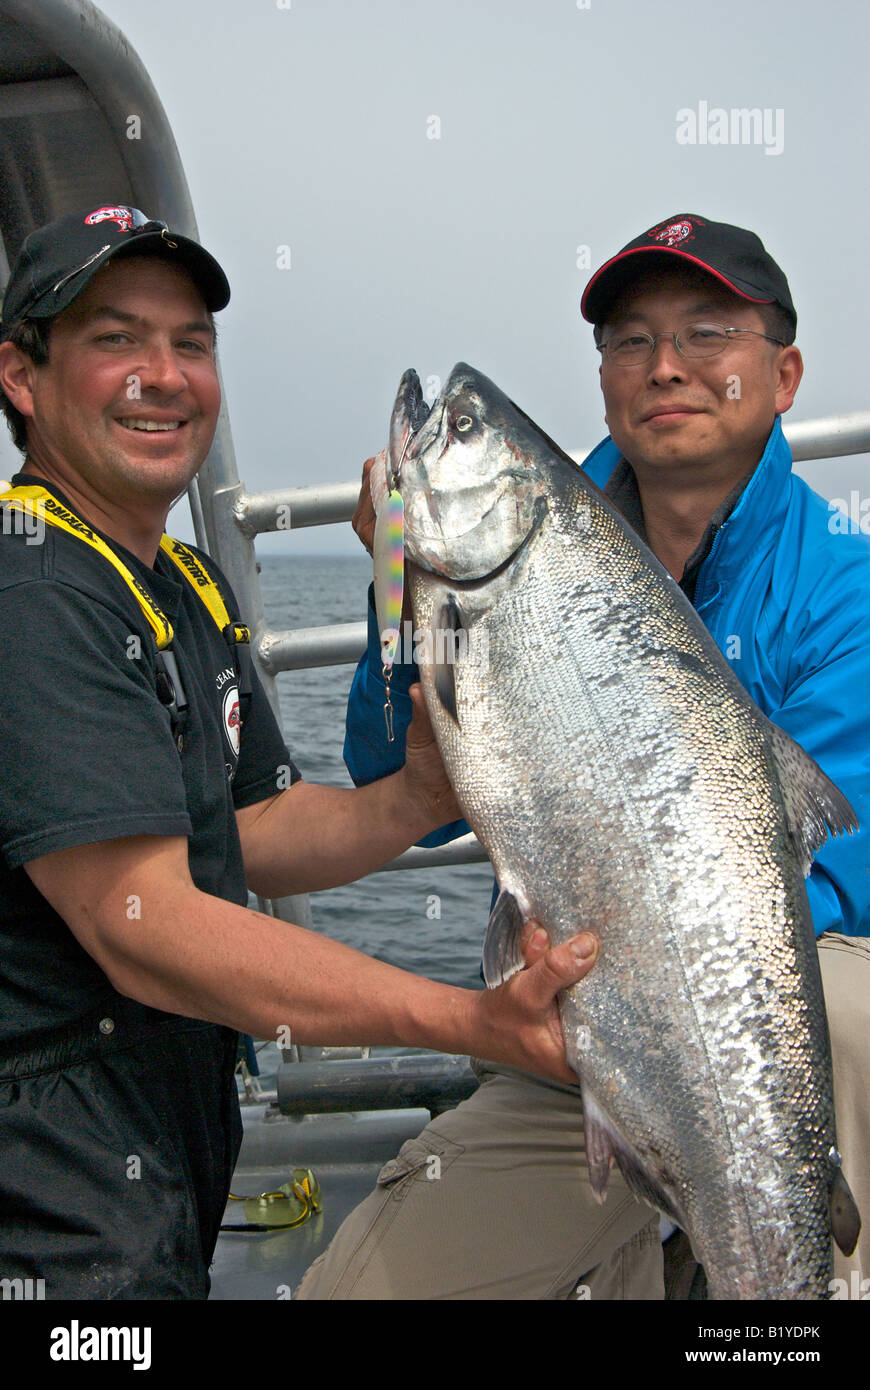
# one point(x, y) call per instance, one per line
point(696, 326)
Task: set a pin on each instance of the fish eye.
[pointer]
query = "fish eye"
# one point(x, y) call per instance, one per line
point(463, 423)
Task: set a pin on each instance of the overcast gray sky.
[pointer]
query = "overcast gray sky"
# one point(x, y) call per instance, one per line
point(309, 125)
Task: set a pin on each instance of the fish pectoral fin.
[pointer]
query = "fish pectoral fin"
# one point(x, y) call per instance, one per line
point(604, 1145)
point(814, 806)
point(448, 622)
point(502, 946)
point(845, 1219)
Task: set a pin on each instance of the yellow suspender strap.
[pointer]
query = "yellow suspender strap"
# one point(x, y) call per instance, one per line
point(39, 501)
point(203, 584)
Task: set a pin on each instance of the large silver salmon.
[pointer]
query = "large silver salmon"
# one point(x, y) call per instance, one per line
point(621, 779)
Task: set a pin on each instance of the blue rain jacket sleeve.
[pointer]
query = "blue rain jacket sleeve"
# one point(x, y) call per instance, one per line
point(818, 717)
point(790, 577)
point(367, 753)
point(825, 707)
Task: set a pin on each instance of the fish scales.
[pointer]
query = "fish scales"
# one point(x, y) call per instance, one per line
point(621, 778)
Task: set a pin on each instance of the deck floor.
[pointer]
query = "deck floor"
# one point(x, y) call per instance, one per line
point(346, 1153)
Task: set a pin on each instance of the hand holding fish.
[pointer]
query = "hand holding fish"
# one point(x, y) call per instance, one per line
point(523, 1013)
point(426, 780)
point(363, 521)
point(384, 542)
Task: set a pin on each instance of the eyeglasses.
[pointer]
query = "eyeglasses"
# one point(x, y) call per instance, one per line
point(695, 340)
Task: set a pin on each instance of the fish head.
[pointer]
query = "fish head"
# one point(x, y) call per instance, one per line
point(472, 478)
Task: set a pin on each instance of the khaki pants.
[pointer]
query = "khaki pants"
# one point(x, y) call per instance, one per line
point(845, 964)
point(492, 1200)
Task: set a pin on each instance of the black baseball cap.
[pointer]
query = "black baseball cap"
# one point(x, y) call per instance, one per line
point(733, 255)
point(59, 260)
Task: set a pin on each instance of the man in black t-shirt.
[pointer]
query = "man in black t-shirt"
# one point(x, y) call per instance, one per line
point(131, 827)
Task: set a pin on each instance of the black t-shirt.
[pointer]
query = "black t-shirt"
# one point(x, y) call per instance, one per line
point(89, 754)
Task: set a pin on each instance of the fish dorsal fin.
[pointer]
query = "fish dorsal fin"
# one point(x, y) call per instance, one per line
point(814, 807)
point(502, 946)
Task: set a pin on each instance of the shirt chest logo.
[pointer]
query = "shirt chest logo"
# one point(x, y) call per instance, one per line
point(228, 688)
point(231, 717)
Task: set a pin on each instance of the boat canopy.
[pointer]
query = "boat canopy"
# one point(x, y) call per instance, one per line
point(80, 122)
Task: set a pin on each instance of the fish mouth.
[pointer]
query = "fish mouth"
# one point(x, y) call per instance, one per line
point(410, 413)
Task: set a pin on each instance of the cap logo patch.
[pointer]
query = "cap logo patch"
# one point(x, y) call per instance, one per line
point(123, 217)
point(672, 233)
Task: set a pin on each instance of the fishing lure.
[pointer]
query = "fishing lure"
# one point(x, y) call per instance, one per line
point(388, 551)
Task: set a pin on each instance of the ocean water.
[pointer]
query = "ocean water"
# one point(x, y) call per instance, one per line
point(390, 916)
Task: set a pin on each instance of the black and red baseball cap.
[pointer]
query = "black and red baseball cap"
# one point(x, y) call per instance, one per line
point(734, 256)
point(59, 260)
